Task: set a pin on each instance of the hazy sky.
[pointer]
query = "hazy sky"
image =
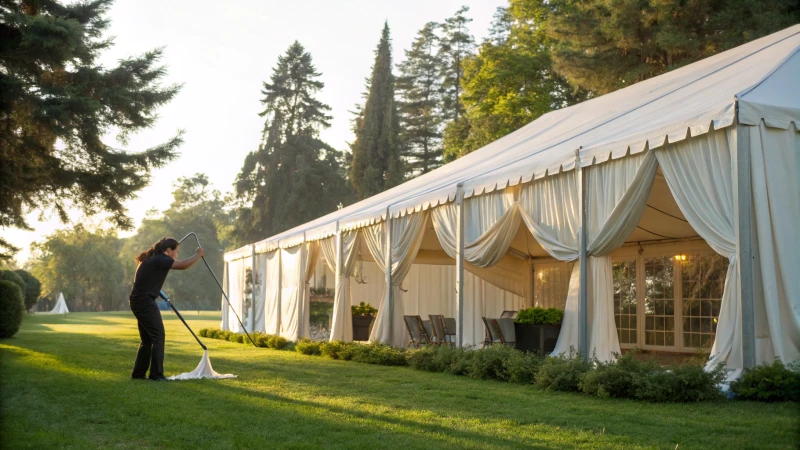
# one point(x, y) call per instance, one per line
point(222, 51)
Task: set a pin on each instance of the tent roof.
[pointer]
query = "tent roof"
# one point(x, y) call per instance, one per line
point(761, 75)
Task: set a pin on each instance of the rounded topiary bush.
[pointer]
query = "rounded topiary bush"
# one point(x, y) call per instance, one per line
point(10, 275)
point(32, 289)
point(12, 308)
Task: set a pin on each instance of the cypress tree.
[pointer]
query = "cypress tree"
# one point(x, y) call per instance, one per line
point(419, 88)
point(376, 162)
point(56, 104)
point(293, 177)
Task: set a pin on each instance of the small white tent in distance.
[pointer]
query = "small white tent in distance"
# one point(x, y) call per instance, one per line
point(61, 306)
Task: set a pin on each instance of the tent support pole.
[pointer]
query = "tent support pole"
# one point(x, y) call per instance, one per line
point(460, 266)
point(583, 295)
point(280, 289)
point(389, 287)
point(744, 248)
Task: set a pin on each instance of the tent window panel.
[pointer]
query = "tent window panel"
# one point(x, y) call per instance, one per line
point(551, 284)
point(703, 279)
point(625, 300)
point(659, 295)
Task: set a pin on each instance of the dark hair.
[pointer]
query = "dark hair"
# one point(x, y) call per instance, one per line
point(159, 247)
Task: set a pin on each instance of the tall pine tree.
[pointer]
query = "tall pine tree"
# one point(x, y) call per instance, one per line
point(419, 88)
point(457, 45)
point(377, 165)
point(293, 177)
point(56, 104)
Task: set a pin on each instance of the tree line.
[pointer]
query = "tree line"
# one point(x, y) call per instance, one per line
point(448, 96)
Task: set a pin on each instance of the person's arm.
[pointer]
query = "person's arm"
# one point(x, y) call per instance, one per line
point(188, 262)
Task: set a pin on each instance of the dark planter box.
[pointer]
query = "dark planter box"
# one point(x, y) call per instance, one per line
point(536, 338)
point(361, 327)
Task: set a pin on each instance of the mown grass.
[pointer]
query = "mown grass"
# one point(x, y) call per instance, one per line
point(64, 383)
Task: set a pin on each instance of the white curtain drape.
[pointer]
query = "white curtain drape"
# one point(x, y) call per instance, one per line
point(259, 293)
point(341, 323)
point(406, 237)
point(617, 193)
point(291, 291)
point(775, 169)
point(236, 295)
point(272, 295)
point(490, 223)
point(698, 173)
point(310, 257)
point(223, 325)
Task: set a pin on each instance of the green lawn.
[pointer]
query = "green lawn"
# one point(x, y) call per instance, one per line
point(65, 384)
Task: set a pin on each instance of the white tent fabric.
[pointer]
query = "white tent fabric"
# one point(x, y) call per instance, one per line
point(615, 139)
point(259, 293)
point(617, 195)
point(60, 307)
point(775, 172)
point(406, 238)
point(272, 295)
point(291, 292)
point(493, 219)
point(698, 172)
point(310, 258)
point(341, 323)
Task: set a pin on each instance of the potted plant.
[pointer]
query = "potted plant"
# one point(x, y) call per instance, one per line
point(537, 329)
point(363, 316)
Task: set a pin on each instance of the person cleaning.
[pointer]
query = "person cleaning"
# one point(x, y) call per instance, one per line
point(154, 266)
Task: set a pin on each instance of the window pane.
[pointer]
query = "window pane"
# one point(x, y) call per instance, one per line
point(625, 300)
point(659, 301)
point(703, 284)
point(551, 284)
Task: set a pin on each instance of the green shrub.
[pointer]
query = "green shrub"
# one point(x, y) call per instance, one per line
point(561, 373)
point(521, 367)
point(620, 378)
point(203, 332)
point(12, 308)
point(10, 275)
point(540, 316)
point(424, 359)
point(32, 289)
point(684, 383)
point(260, 339)
point(489, 363)
point(307, 347)
point(376, 353)
point(768, 383)
point(277, 342)
point(232, 337)
point(364, 309)
point(336, 349)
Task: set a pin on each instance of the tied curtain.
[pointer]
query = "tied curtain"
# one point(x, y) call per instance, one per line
point(406, 237)
point(341, 322)
point(235, 279)
point(490, 223)
point(617, 193)
point(223, 325)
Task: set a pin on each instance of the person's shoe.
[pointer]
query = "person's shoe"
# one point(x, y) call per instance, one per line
point(159, 379)
point(138, 378)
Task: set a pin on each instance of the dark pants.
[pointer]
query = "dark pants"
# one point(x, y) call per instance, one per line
point(151, 332)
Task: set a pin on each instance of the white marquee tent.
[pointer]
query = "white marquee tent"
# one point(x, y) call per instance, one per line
point(704, 159)
point(60, 307)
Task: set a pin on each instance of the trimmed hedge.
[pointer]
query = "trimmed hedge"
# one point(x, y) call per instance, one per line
point(12, 308)
point(540, 316)
point(768, 383)
point(627, 377)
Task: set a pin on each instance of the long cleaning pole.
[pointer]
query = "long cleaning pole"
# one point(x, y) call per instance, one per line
point(220, 287)
point(166, 299)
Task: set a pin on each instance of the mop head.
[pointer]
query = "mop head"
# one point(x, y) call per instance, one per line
point(203, 370)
